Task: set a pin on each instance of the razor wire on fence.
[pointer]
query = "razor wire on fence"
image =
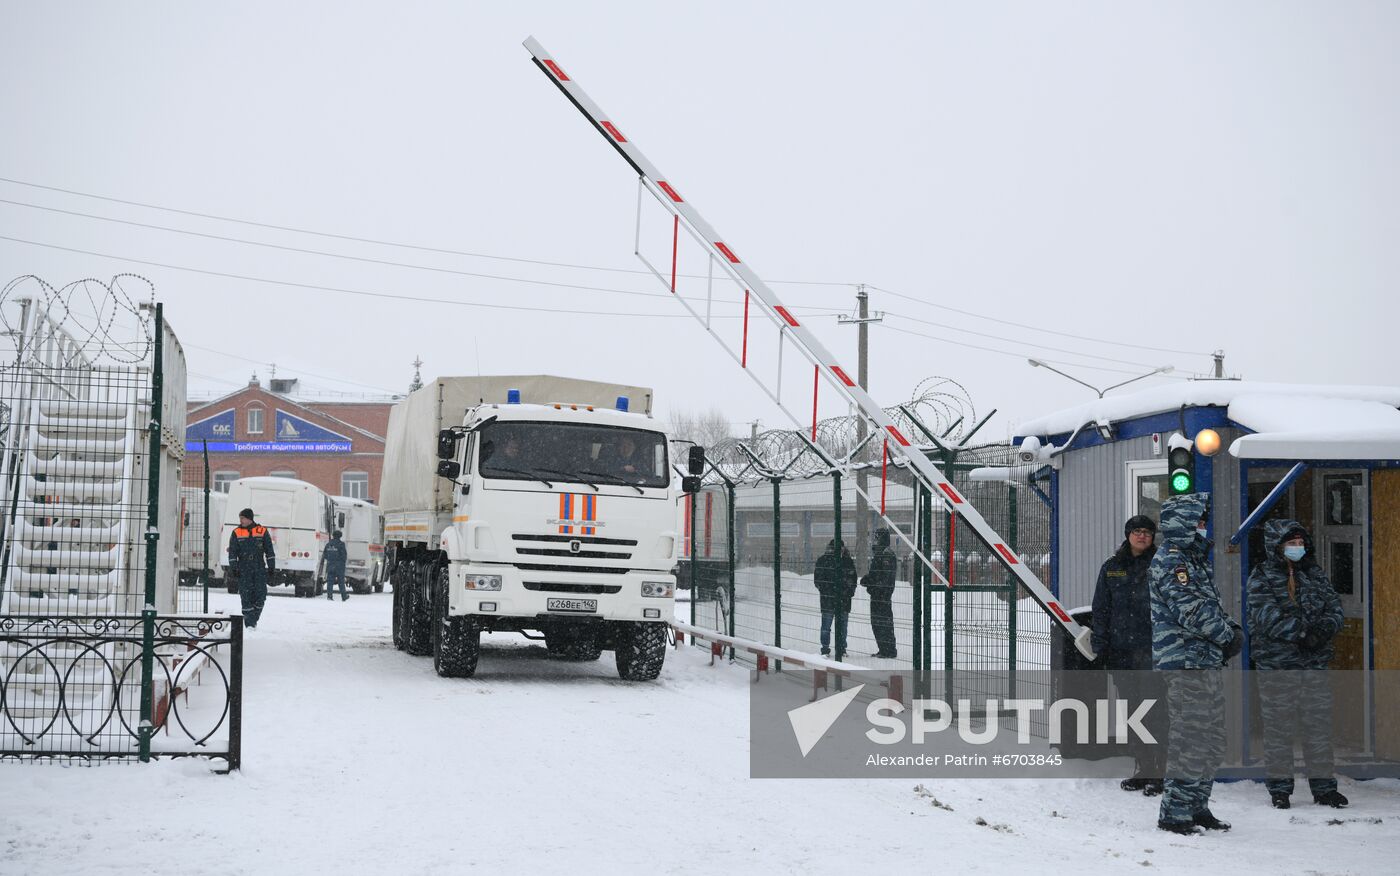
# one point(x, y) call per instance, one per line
point(784, 508)
point(92, 419)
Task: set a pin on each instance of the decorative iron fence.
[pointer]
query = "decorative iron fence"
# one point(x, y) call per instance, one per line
point(72, 687)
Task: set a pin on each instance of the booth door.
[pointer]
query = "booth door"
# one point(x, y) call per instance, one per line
point(1340, 506)
point(1385, 615)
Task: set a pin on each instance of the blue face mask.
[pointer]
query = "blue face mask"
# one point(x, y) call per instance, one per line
point(1294, 552)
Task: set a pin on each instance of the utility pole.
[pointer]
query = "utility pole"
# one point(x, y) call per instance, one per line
point(862, 321)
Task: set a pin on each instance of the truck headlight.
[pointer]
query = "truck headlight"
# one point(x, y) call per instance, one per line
point(483, 582)
point(662, 589)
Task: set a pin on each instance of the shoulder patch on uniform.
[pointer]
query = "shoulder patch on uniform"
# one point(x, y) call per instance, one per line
point(1182, 576)
point(1117, 573)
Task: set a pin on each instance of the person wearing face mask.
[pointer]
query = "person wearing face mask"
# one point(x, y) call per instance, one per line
point(1294, 614)
point(1192, 638)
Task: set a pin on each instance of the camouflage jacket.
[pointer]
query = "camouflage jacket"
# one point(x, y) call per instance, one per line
point(1190, 628)
point(1277, 623)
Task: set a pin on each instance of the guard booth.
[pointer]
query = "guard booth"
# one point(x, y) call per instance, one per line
point(1326, 456)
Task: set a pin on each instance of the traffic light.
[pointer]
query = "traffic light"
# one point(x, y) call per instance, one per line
point(1181, 465)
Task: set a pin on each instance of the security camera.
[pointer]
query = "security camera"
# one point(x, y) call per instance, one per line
point(1029, 451)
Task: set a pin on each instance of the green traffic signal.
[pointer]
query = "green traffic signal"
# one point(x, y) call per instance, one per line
point(1181, 467)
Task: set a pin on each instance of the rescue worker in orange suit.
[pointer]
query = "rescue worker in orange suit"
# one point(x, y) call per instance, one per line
point(251, 561)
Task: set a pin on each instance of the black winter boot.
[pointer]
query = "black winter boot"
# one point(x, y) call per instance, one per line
point(1133, 784)
point(1331, 798)
point(1152, 787)
point(1185, 828)
point(1205, 819)
point(1279, 800)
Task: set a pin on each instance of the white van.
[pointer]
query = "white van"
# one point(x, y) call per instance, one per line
point(361, 526)
point(192, 531)
point(298, 516)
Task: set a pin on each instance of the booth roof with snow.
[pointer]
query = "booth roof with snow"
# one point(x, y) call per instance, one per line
point(1334, 452)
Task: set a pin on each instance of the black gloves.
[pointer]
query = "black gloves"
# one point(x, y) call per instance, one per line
point(1236, 645)
point(1315, 639)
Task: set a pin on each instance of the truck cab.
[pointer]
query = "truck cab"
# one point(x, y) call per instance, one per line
point(562, 524)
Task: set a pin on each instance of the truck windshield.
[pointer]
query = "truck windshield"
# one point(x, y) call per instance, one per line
point(600, 454)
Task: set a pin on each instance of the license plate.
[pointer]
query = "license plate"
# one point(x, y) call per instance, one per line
point(572, 604)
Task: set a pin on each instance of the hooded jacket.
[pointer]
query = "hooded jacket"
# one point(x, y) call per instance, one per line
point(1278, 623)
point(835, 577)
point(1190, 629)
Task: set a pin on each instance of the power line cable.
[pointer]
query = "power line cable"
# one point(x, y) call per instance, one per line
point(336, 255)
point(354, 239)
point(1034, 327)
point(300, 371)
point(359, 292)
point(1016, 340)
point(1001, 352)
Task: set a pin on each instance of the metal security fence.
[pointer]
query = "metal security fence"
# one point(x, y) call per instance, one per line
point(92, 414)
point(770, 531)
point(78, 688)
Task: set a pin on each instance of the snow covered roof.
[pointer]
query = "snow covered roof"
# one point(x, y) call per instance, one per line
point(1310, 427)
point(1290, 421)
point(1199, 393)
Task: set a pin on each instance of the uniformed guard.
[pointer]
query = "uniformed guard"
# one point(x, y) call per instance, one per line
point(334, 558)
point(1294, 614)
point(251, 561)
point(1122, 639)
point(1192, 637)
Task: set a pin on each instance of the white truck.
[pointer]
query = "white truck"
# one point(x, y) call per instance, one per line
point(193, 527)
point(538, 505)
point(298, 515)
point(361, 526)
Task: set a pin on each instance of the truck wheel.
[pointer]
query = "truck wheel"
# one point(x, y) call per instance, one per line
point(640, 648)
point(419, 634)
point(456, 641)
point(359, 585)
point(397, 625)
point(572, 645)
point(379, 588)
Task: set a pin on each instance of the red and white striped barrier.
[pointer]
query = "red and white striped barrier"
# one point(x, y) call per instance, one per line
point(766, 654)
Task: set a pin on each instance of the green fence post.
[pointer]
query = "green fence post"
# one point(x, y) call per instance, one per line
point(148, 609)
point(206, 525)
point(694, 562)
point(916, 598)
point(841, 615)
point(777, 571)
point(733, 548)
point(1011, 597)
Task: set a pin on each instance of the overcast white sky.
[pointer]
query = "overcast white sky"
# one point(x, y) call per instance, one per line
point(1077, 167)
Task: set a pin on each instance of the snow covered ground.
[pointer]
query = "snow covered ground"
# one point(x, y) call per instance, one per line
point(357, 759)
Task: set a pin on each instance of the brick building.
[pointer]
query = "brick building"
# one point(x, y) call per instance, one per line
point(337, 445)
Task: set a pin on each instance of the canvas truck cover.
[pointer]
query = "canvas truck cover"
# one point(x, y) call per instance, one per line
point(410, 451)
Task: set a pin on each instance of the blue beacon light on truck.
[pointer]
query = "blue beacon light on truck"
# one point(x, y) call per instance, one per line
point(622, 403)
point(512, 396)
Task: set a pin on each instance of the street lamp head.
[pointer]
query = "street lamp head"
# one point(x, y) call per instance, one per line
point(1035, 363)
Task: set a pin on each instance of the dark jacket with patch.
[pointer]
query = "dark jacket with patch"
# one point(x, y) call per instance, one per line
point(250, 552)
point(1277, 623)
point(1190, 628)
point(1122, 624)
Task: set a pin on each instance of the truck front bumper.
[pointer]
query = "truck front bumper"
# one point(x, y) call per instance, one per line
point(558, 595)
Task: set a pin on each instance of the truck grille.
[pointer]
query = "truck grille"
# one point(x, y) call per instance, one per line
point(556, 552)
point(591, 570)
point(581, 539)
point(550, 587)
